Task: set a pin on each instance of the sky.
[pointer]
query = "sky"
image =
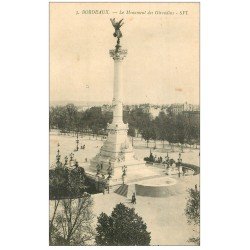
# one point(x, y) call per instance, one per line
point(162, 65)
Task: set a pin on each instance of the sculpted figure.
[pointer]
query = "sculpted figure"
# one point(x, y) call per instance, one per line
point(117, 26)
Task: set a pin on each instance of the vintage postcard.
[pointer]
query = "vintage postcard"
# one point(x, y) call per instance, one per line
point(124, 124)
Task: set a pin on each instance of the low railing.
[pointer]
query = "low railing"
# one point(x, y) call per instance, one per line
point(189, 166)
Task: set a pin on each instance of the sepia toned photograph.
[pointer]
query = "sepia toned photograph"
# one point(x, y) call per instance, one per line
point(124, 124)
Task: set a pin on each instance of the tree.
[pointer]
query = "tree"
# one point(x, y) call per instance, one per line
point(71, 116)
point(71, 225)
point(67, 183)
point(94, 119)
point(51, 227)
point(161, 127)
point(171, 131)
point(76, 182)
point(135, 117)
point(146, 127)
point(58, 183)
point(192, 212)
point(181, 123)
point(154, 134)
point(131, 132)
point(123, 228)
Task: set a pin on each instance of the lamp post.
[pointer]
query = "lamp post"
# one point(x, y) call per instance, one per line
point(124, 174)
point(179, 165)
point(167, 158)
point(66, 161)
point(71, 158)
point(58, 156)
point(179, 159)
point(109, 170)
point(77, 142)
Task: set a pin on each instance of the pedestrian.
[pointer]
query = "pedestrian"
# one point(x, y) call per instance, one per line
point(133, 198)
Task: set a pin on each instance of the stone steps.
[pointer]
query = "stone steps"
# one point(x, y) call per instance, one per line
point(122, 190)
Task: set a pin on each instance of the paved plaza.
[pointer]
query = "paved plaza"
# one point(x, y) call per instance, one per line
point(93, 145)
point(164, 216)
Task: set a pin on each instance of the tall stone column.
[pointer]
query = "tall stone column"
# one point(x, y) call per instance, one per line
point(118, 55)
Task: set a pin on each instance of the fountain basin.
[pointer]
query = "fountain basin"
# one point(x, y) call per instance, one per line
point(157, 187)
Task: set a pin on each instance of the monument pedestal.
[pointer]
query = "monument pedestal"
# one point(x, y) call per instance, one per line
point(117, 152)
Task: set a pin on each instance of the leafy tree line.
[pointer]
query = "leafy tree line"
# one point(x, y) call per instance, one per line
point(173, 128)
point(69, 119)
